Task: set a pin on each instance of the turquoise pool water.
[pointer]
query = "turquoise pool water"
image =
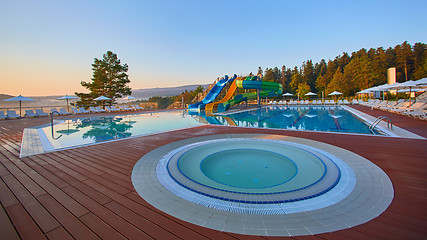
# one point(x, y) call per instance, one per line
point(248, 168)
point(88, 130)
point(82, 131)
point(251, 170)
point(307, 118)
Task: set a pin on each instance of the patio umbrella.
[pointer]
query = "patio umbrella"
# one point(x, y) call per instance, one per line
point(334, 93)
point(287, 94)
point(66, 97)
point(129, 98)
point(102, 98)
point(407, 85)
point(20, 99)
point(421, 83)
point(310, 94)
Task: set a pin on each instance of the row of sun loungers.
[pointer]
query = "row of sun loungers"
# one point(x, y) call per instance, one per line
point(417, 109)
point(107, 109)
point(307, 102)
point(62, 111)
point(9, 114)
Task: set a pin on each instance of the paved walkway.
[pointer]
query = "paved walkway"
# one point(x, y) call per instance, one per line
point(86, 192)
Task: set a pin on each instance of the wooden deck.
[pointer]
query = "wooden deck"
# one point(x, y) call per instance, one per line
point(86, 192)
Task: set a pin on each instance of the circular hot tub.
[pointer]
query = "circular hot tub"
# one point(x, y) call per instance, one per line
point(250, 171)
point(262, 184)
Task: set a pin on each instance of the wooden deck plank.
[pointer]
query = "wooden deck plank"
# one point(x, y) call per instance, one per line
point(59, 233)
point(24, 224)
point(75, 227)
point(40, 215)
point(116, 222)
point(7, 230)
point(57, 164)
point(142, 223)
point(7, 198)
point(103, 230)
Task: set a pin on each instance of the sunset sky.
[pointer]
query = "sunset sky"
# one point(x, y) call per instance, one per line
point(47, 47)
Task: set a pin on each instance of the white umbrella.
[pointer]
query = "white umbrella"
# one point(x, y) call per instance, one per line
point(406, 85)
point(20, 99)
point(334, 93)
point(66, 97)
point(287, 94)
point(421, 83)
point(310, 94)
point(129, 98)
point(102, 98)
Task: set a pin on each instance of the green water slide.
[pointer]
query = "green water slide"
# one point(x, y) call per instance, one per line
point(268, 89)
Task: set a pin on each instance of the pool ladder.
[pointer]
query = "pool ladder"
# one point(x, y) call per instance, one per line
point(378, 120)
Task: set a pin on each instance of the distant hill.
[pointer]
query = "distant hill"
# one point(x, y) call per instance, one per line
point(163, 92)
point(142, 94)
point(5, 96)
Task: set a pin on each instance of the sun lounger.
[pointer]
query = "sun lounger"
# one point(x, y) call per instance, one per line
point(62, 111)
point(75, 110)
point(93, 110)
point(2, 115)
point(30, 113)
point(100, 109)
point(12, 114)
point(413, 107)
point(400, 107)
point(83, 110)
point(136, 107)
point(40, 113)
point(126, 108)
point(108, 109)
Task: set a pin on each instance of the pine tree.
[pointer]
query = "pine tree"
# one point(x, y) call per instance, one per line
point(110, 79)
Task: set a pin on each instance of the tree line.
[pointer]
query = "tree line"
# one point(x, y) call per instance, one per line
point(352, 73)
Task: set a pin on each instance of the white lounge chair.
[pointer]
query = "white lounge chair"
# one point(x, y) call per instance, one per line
point(108, 109)
point(75, 110)
point(99, 109)
point(413, 107)
point(2, 115)
point(12, 114)
point(40, 113)
point(137, 107)
point(346, 101)
point(62, 111)
point(93, 110)
point(83, 110)
point(30, 113)
point(126, 108)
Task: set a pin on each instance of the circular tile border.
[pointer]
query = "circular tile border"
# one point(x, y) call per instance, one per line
point(372, 194)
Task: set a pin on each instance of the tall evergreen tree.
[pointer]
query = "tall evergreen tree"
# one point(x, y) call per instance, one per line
point(110, 79)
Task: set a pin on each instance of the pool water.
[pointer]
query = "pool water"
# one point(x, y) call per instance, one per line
point(82, 131)
point(88, 130)
point(248, 168)
point(311, 118)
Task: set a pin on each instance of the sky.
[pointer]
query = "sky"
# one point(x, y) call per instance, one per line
point(48, 47)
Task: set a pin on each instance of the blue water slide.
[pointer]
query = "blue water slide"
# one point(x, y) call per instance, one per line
point(212, 94)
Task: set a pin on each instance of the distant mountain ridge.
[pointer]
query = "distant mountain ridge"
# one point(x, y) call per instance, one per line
point(163, 92)
point(142, 94)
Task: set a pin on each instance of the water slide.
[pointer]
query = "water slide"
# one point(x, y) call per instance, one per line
point(212, 94)
point(212, 106)
point(269, 89)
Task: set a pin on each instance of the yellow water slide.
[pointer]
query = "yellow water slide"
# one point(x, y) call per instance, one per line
point(211, 106)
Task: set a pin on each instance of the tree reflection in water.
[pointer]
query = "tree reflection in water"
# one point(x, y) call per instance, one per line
point(105, 128)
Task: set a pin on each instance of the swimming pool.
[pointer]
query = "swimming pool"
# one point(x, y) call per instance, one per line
point(307, 118)
point(88, 130)
point(82, 131)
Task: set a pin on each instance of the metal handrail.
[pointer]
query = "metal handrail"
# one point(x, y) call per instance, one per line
point(378, 120)
point(51, 124)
